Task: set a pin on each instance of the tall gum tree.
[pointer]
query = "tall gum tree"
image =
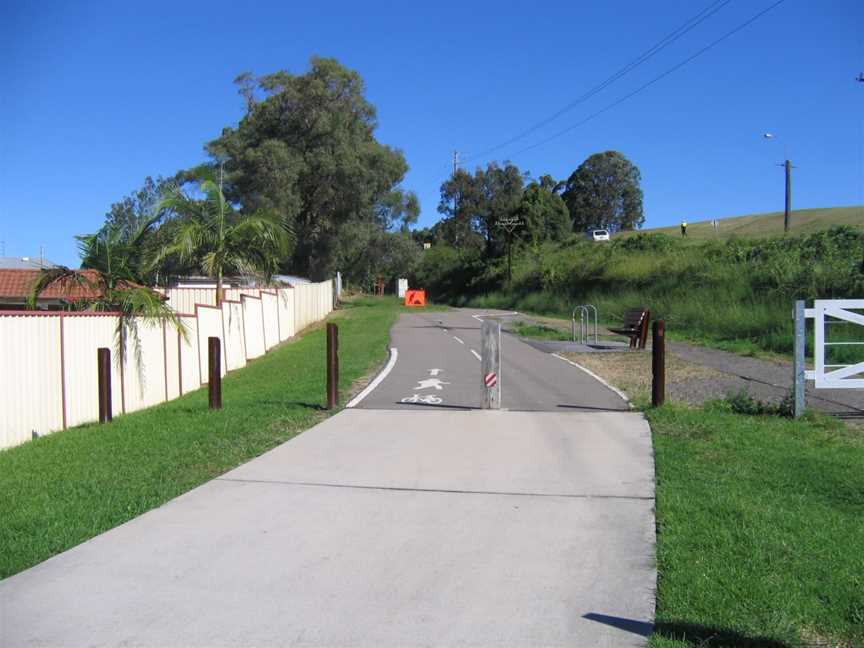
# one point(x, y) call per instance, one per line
point(306, 151)
point(605, 193)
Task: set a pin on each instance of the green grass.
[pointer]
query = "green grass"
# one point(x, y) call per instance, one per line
point(801, 221)
point(760, 530)
point(61, 489)
point(538, 331)
point(736, 294)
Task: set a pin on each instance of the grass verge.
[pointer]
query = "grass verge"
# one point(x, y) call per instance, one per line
point(760, 540)
point(62, 489)
point(759, 530)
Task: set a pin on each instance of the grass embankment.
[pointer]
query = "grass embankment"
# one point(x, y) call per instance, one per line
point(759, 530)
point(60, 490)
point(760, 539)
point(736, 295)
point(801, 221)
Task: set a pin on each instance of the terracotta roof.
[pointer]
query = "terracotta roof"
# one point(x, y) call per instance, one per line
point(17, 284)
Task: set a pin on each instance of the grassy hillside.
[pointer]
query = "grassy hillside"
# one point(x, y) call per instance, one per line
point(801, 221)
point(736, 293)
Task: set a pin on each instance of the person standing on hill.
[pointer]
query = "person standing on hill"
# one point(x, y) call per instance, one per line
point(684, 229)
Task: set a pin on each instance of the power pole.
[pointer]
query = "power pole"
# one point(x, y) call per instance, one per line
point(788, 165)
point(455, 162)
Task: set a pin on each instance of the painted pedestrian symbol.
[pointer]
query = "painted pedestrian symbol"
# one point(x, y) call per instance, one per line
point(418, 398)
point(434, 372)
point(430, 383)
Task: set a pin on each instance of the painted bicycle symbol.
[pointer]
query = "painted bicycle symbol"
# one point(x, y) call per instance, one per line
point(418, 398)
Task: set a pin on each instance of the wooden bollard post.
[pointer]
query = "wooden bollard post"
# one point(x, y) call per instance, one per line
point(658, 363)
point(103, 360)
point(214, 384)
point(332, 366)
point(490, 364)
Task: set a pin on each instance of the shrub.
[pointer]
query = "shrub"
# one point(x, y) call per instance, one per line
point(743, 403)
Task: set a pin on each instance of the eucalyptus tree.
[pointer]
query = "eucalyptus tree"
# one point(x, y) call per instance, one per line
point(605, 192)
point(306, 151)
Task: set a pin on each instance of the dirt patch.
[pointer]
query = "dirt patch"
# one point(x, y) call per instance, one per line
point(631, 372)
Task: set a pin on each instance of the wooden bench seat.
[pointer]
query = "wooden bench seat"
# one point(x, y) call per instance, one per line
point(635, 326)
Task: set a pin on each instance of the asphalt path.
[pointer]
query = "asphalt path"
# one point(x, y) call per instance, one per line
point(438, 367)
point(387, 527)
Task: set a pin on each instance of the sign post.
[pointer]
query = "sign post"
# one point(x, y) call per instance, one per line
point(509, 224)
point(490, 363)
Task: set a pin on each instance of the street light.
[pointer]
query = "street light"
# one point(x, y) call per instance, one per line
point(787, 164)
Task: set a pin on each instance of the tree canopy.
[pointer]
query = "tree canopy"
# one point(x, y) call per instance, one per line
point(543, 212)
point(306, 151)
point(604, 192)
point(473, 205)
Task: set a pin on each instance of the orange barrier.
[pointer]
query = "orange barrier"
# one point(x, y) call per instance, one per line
point(415, 297)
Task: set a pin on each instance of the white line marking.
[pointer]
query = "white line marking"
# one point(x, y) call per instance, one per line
point(394, 354)
point(480, 319)
point(476, 355)
point(597, 378)
point(458, 340)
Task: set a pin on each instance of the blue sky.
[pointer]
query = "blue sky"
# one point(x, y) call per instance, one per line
point(96, 96)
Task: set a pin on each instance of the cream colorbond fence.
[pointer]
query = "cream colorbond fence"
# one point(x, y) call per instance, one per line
point(48, 378)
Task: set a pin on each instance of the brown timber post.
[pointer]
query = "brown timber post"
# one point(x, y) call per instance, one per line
point(332, 366)
point(658, 363)
point(214, 384)
point(103, 359)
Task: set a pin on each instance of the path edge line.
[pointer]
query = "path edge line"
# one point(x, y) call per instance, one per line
point(394, 355)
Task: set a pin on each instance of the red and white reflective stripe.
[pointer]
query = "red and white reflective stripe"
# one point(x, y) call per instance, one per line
point(491, 379)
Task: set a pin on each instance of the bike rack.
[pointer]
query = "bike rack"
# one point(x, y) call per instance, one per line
point(584, 321)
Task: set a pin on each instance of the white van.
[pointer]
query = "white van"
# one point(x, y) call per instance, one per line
point(598, 235)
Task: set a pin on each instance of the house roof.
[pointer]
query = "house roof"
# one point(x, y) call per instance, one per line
point(17, 284)
point(25, 263)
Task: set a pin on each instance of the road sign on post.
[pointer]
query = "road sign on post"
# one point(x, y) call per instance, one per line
point(490, 363)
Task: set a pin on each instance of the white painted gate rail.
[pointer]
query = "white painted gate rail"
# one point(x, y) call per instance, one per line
point(826, 375)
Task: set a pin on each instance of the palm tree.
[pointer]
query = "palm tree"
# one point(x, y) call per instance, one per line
point(224, 240)
point(113, 264)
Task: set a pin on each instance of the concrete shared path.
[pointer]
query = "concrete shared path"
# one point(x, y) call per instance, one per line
point(439, 357)
point(387, 527)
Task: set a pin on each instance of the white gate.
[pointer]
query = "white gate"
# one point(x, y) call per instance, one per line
point(825, 374)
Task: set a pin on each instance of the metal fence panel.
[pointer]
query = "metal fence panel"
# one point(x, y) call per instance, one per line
point(190, 367)
point(232, 325)
point(209, 325)
point(49, 359)
point(286, 313)
point(253, 319)
point(82, 336)
point(144, 366)
point(172, 361)
point(270, 310)
point(183, 300)
point(30, 379)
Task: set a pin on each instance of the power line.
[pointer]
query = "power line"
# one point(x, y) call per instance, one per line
point(642, 58)
point(674, 68)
